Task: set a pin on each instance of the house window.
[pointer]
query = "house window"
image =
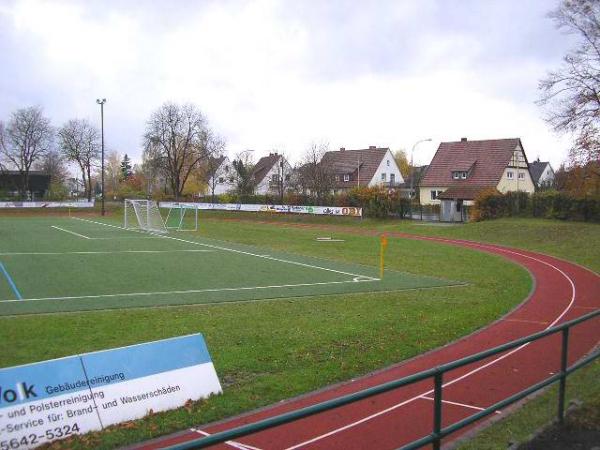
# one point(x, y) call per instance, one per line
point(455, 175)
point(346, 177)
point(463, 175)
point(434, 194)
point(275, 178)
point(221, 180)
point(388, 163)
point(459, 175)
point(392, 178)
point(521, 175)
point(509, 175)
point(383, 176)
point(226, 169)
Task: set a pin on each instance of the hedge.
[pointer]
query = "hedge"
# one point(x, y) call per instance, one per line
point(491, 204)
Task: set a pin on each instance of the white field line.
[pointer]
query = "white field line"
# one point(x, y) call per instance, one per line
point(190, 291)
point(234, 444)
point(104, 252)
point(241, 252)
point(70, 232)
point(99, 238)
point(462, 377)
point(464, 405)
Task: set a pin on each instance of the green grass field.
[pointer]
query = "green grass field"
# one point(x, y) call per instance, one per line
point(272, 349)
point(76, 264)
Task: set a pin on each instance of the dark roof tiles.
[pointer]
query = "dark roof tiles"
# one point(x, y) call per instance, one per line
point(346, 162)
point(485, 161)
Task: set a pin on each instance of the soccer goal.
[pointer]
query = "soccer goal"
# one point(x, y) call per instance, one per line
point(181, 216)
point(143, 215)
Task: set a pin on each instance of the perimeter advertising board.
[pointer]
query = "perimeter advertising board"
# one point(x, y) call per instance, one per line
point(46, 204)
point(293, 209)
point(54, 399)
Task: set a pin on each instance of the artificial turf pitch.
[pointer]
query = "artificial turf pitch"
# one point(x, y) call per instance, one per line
point(59, 264)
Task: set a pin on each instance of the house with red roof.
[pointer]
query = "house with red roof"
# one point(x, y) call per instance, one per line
point(373, 166)
point(460, 170)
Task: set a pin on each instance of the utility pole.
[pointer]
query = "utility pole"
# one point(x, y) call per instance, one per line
point(412, 174)
point(101, 103)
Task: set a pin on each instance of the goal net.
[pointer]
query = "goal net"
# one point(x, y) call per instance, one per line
point(143, 215)
point(181, 216)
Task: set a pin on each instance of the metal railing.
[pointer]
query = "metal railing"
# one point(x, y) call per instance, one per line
point(437, 374)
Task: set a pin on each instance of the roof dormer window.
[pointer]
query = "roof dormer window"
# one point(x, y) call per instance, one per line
point(459, 174)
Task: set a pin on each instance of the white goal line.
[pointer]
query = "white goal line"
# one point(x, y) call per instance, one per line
point(217, 247)
point(104, 252)
point(98, 238)
point(189, 291)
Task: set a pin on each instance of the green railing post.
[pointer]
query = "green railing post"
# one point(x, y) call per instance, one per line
point(437, 409)
point(563, 375)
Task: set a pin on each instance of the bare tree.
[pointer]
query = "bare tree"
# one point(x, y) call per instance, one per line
point(26, 138)
point(53, 164)
point(79, 142)
point(571, 94)
point(112, 167)
point(314, 176)
point(179, 138)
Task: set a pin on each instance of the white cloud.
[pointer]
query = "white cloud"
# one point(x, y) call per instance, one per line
point(276, 74)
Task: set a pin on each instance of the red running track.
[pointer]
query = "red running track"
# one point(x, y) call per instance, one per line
point(562, 291)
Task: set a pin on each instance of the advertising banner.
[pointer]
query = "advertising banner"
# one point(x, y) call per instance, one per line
point(54, 399)
point(292, 209)
point(46, 204)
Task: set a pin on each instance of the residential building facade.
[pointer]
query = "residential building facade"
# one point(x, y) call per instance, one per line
point(460, 170)
point(374, 166)
point(271, 175)
point(542, 174)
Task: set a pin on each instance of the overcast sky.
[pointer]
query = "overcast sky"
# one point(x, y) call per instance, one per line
point(276, 75)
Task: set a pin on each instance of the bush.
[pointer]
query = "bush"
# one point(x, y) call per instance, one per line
point(491, 204)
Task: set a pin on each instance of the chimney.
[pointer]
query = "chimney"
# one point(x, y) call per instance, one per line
point(372, 147)
point(463, 139)
point(342, 149)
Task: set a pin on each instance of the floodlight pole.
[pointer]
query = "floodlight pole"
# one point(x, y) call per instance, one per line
point(412, 173)
point(101, 103)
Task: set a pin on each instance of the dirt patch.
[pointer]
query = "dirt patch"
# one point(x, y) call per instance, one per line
point(580, 431)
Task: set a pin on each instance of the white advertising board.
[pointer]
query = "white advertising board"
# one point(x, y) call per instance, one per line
point(54, 399)
point(292, 209)
point(46, 204)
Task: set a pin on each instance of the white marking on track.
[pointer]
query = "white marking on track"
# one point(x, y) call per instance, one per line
point(459, 404)
point(468, 374)
point(234, 444)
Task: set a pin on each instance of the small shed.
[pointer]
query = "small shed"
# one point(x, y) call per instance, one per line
point(456, 200)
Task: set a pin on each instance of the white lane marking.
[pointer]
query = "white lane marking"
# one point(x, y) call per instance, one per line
point(104, 252)
point(234, 444)
point(70, 232)
point(272, 258)
point(459, 404)
point(190, 291)
point(449, 383)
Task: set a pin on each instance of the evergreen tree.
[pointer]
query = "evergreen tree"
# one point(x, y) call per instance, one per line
point(126, 171)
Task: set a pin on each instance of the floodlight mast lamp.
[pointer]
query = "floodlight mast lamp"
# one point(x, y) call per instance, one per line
point(412, 171)
point(101, 103)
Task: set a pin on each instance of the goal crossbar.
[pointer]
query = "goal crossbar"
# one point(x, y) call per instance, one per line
point(178, 217)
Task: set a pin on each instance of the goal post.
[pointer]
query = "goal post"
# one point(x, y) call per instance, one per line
point(143, 215)
point(181, 216)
